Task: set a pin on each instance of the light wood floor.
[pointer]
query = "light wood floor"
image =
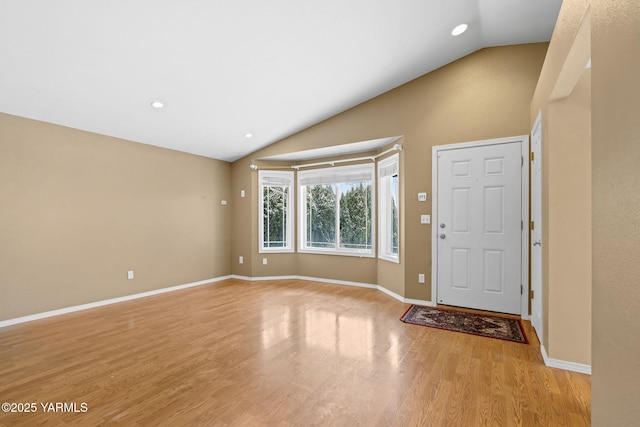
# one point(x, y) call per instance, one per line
point(277, 353)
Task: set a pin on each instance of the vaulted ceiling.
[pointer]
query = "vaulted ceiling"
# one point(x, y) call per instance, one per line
point(224, 69)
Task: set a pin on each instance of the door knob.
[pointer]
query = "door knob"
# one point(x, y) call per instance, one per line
point(537, 243)
point(442, 236)
point(442, 225)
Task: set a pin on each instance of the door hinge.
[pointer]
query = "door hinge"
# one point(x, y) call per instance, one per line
point(522, 161)
point(521, 290)
point(521, 225)
point(533, 225)
point(531, 294)
point(532, 156)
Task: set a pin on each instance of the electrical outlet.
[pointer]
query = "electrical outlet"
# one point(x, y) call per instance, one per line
point(241, 193)
point(130, 274)
point(223, 202)
point(425, 219)
point(420, 278)
point(264, 261)
point(240, 259)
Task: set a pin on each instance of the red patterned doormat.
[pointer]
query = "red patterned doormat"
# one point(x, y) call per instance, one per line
point(469, 323)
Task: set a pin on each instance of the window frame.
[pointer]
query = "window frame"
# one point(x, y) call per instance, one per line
point(329, 176)
point(289, 181)
point(385, 228)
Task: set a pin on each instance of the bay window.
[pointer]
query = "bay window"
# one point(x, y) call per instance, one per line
point(388, 204)
point(276, 211)
point(336, 213)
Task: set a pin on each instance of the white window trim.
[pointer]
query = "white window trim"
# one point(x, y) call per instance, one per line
point(383, 208)
point(287, 177)
point(302, 220)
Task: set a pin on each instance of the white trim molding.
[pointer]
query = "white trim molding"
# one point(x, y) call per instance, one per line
point(563, 364)
point(552, 363)
point(311, 279)
point(420, 302)
point(87, 306)
point(340, 282)
point(66, 310)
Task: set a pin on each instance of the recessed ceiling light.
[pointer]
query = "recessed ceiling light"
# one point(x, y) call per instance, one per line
point(459, 29)
point(248, 135)
point(157, 104)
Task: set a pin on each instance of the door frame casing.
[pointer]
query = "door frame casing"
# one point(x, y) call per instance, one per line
point(524, 212)
point(537, 127)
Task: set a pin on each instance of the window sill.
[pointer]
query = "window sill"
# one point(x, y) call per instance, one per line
point(334, 252)
point(276, 251)
point(395, 259)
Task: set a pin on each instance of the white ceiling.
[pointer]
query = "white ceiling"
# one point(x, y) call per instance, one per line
point(226, 68)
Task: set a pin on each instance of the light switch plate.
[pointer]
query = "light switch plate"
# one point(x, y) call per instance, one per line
point(422, 197)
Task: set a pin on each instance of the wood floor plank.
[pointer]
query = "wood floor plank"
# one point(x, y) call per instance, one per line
point(277, 353)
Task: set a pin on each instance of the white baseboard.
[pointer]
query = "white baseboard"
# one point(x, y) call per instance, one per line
point(311, 279)
point(390, 293)
point(562, 364)
point(419, 302)
point(257, 279)
point(87, 306)
point(405, 300)
point(66, 310)
point(553, 363)
point(340, 282)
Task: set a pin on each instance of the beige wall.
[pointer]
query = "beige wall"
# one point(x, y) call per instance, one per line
point(566, 216)
point(613, 43)
point(78, 210)
point(242, 223)
point(616, 212)
point(484, 95)
point(569, 203)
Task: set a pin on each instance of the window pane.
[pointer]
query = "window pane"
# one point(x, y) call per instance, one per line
point(321, 216)
point(394, 215)
point(355, 215)
point(275, 216)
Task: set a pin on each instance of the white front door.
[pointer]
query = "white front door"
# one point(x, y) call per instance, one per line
point(536, 233)
point(479, 227)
